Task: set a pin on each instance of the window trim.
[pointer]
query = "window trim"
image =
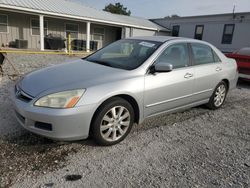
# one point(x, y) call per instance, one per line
point(7, 24)
point(31, 31)
point(178, 30)
point(223, 35)
point(195, 32)
point(65, 30)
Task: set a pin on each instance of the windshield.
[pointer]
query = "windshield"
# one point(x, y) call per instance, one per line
point(125, 54)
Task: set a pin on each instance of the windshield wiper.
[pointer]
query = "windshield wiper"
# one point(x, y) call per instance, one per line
point(100, 62)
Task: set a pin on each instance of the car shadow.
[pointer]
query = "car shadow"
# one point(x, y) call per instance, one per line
point(242, 83)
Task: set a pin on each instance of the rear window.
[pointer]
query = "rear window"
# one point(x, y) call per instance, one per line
point(203, 54)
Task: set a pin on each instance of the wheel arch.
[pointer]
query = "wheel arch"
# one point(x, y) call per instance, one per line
point(126, 97)
point(227, 83)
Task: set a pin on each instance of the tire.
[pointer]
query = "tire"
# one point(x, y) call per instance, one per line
point(112, 122)
point(218, 97)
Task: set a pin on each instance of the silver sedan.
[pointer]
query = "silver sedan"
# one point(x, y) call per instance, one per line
point(104, 94)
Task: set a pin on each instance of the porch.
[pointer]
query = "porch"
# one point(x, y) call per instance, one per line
point(43, 32)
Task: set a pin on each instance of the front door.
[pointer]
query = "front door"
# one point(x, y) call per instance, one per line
point(166, 91)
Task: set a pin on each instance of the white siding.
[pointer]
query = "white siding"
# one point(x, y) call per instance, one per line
point(140, 32)
point(19, 27)
point(213, 29)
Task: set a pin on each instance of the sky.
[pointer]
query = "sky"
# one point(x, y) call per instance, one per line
point(162, 8)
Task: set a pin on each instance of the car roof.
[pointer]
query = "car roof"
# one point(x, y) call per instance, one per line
point(154, 38)
point(164, 38)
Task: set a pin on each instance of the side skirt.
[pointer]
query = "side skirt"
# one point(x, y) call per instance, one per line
point(182, 108)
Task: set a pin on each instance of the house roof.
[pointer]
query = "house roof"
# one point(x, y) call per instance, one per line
point(73, 10)
point(202, 16)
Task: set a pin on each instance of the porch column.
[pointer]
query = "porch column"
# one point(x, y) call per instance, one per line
point(88, 37)
point(131, 32)
point(41, 20)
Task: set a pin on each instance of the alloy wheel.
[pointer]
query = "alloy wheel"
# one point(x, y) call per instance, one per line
point(220, 95)
point(115, 123)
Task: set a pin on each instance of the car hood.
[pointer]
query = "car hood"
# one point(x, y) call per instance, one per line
point(73, 75)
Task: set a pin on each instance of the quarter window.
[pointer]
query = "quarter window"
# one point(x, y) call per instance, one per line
point(175, 31)
point(176, 54)
point(73, 30)
point(3, 23)
point(216, 57)
point(228, 32)
point(203, 54)
point(35, 27)
point(199, 32)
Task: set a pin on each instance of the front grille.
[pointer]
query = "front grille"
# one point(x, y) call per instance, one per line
point(20, 117)
point(22, 95)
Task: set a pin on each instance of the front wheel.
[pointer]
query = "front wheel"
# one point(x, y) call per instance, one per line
point(112, 122)
point(219, 96)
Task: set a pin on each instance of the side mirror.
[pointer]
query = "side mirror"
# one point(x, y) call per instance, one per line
point(162, 67)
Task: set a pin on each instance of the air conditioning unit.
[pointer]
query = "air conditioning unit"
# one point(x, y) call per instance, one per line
point(21, 44)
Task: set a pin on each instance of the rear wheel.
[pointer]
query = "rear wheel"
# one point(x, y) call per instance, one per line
point(112, 122)
point(219, 96)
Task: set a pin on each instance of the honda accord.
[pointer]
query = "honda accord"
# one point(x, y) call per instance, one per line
point(104, 94)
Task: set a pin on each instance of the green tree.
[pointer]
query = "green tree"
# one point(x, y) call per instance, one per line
point(173, 16)
point(117, 8)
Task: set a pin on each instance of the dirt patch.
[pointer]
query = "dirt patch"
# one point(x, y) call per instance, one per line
point(20, 150)
point(195, 148)
point(32, 154)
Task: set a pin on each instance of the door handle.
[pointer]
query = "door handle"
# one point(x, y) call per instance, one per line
point(218, 69)
point(188, 75)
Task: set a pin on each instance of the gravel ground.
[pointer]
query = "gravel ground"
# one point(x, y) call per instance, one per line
point(195, 148)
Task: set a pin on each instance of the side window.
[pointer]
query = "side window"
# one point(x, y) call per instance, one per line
point(35, 27)
point(98, 33)
point(72, 29)
point(228, 33)
point(203, 54)
point(3, 23)
point(176, 54)
point(199, 32)
point(175, 31)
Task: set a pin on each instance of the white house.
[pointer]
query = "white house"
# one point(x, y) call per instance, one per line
point(228, 32)
point(25, 24)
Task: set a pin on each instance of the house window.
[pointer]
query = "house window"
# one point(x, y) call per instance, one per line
point(35, 27)
point(98, 33)
point(199, 32)
point(73, 30)
point(228, 32)
point(3, 23)
point(175, 31)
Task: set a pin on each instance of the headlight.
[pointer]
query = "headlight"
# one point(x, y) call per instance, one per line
point(65, 99)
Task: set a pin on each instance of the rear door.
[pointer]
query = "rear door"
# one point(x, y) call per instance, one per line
point(207, 69)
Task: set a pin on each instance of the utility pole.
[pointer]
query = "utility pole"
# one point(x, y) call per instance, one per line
point(234, 12)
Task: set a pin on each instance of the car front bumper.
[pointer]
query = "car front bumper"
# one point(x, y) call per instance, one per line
point(246, 76)
point(58, 124)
